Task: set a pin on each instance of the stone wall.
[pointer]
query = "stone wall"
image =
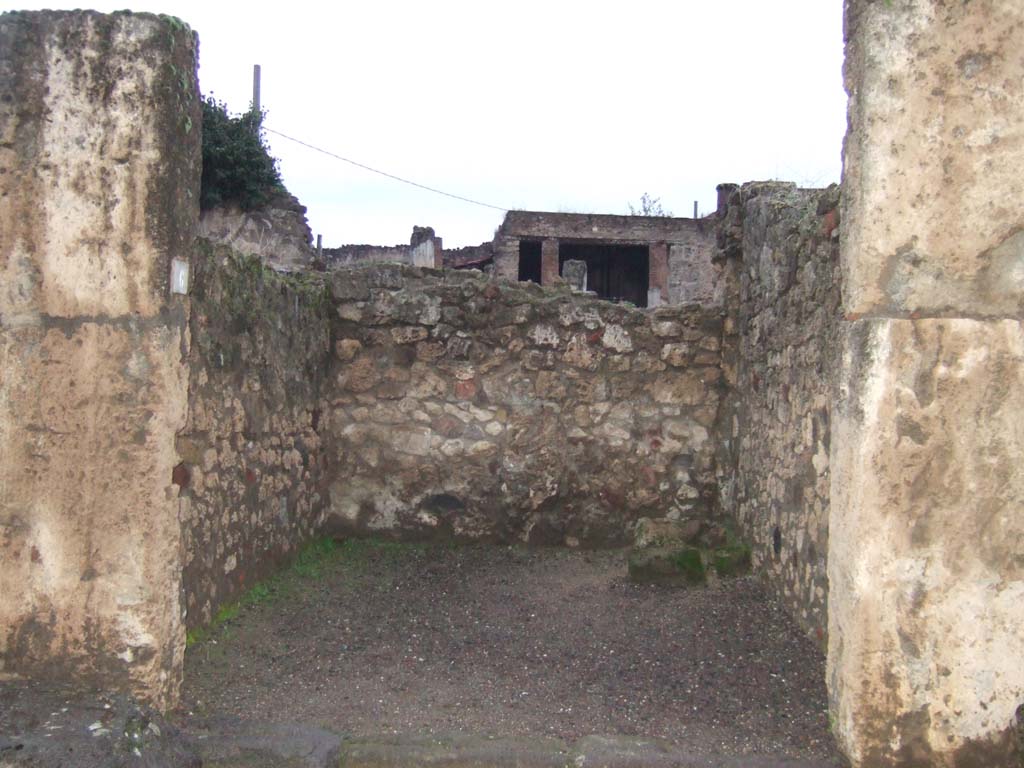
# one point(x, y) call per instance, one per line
point(253, 471)
point(425, 249)
point(599, 227)
point(99, 178)
point(779, 246)
point(428, 404)
point(464, 407)
point(693, 275)
point(469, 257)
point(926, 561)
point(277, 232)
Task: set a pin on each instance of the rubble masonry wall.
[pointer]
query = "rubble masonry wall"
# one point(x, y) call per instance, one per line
point(397, 401)
point(504, 411)
point(779, 247)
point(253, 465)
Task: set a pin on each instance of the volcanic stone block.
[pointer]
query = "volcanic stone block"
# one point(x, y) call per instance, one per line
point(669, 565)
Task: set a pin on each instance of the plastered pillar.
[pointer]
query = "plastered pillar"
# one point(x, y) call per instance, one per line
point(926, 553)
point(657, 281)
point(99, 146)
point(549, 261)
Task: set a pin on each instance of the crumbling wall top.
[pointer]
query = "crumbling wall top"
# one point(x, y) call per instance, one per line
point(598, 227)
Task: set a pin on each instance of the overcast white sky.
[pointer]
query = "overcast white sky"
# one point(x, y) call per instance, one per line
point(561, 106)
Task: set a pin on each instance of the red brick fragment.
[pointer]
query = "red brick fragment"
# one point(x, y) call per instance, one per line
point(181, 476)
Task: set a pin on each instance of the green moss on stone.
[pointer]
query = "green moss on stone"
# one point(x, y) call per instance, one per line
point(732, 559)
point(667, 565)
point(690, 564)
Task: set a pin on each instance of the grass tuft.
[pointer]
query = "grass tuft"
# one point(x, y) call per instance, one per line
point(311, 564)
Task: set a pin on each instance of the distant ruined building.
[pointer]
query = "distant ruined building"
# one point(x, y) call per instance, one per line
point(648, 261)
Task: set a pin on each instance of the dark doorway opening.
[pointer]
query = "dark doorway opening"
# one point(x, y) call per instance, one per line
point(615, 272)
point(529, 261)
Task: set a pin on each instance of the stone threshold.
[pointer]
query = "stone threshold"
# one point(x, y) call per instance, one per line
point(45, 725)
point(236, 745)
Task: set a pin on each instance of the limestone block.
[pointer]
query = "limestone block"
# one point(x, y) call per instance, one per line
point(346, 349)
point(408, 334)
point(676, 355)
point(666, 328)
point(350, 285)
point(933, 158)
point(80, 235)
point(926, 562)
point(544, 336)
point(100, 159)
point(89, 521)
point(581, 354)
point(616, 338)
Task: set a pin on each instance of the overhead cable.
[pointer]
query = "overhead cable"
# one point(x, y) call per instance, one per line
point(382, 173)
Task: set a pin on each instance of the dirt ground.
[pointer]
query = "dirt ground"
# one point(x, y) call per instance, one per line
point(384, 638)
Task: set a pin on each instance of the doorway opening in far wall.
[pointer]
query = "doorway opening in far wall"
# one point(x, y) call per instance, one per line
point(614, 272)
point(529, 261)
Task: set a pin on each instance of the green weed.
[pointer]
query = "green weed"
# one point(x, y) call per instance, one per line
point(311, 564)
point(258, 594)
point(311, 560)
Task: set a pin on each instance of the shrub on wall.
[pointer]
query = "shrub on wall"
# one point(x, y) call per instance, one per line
point(237, 168)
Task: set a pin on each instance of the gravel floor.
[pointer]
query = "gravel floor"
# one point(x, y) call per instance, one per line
point(510, 641)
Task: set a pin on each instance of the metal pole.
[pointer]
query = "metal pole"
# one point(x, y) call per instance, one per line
point(256, 87)
point(319, 246)
point(695, 209)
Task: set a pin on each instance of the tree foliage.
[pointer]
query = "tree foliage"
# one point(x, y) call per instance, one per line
point(237, 168)
point(649, 206)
